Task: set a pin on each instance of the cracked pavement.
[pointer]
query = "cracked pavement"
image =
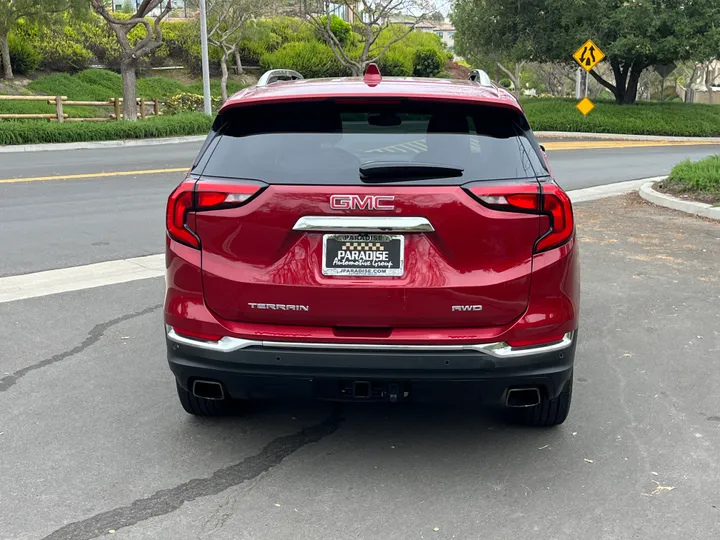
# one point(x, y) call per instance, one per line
point(92, 438)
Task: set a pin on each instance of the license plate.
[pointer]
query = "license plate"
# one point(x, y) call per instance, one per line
point(376, 255)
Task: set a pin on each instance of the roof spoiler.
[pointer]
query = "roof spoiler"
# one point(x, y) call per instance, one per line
point(479, 76)
point(275, 75)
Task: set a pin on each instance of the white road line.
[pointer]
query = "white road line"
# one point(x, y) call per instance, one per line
point(77, 278)
point(13, 288)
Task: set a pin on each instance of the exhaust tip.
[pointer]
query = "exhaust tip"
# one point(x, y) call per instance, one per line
point(523, 397)
point(208, 390)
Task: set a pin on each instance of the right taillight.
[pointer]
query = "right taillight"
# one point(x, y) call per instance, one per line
point(195, 196)
point(557, 206)
point(548, 200)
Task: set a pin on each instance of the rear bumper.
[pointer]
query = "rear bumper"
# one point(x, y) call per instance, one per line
point(261, 370)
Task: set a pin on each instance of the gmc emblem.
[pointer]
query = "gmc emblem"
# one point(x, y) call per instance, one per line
point(362, 202)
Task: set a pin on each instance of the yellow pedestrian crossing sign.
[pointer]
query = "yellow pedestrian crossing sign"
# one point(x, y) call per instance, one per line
point(589, 55)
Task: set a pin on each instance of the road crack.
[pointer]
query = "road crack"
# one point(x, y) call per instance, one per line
point(93, 337)
point(168, 500)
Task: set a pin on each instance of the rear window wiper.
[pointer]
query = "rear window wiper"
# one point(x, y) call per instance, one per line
point(378, 172)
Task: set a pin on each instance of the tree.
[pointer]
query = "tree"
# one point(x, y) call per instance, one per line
point(38, 11)
point(132, 52)
point(373, 23)
point(227, 20)
point(634, 35)
point(436, 16)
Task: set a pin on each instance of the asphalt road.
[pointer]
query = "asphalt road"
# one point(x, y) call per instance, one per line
point(61, 223)
point(93, 440)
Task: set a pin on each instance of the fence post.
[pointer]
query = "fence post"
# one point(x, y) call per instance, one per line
point(116, 103)
point(156, 107)
point(141, 102)
point(59, 108)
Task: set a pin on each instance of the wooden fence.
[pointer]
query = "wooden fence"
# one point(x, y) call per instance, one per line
point(146, 108)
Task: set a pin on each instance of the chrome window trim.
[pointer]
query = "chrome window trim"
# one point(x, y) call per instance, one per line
point(498, 349)
point(360, 224)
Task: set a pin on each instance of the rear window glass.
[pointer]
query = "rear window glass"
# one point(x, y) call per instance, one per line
point(327, 142)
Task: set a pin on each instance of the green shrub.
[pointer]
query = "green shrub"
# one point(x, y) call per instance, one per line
point(312, 59)
point(427, 62)
point(184, 103)
point(396, 63)
point(505, 83)
point(39, 132)
point(24, 57)
point(340, 29)
point(62, 51)
point(699, 178)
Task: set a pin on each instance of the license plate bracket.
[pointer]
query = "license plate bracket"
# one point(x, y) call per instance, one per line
point(368, 255)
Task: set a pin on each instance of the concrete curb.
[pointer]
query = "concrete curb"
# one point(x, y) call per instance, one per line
point(668, 201)
point(608, 190)
point(621, 137)
point(20, 148)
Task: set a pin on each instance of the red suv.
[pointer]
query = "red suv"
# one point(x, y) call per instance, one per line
point(372, 239)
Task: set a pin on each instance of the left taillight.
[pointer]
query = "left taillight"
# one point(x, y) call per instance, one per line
point(549, 200)
point(196, 196)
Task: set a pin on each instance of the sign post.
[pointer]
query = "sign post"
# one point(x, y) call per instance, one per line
point(588, 56)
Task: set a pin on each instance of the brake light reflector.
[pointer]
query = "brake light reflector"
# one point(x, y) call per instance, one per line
point(196, 196)
point(546, 340)
point(550, 201)
point(198, 335)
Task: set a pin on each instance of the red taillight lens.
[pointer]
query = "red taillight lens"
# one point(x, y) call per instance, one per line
point(179, 204)
point(552, 202)
point(557, 205)
point(192, 196)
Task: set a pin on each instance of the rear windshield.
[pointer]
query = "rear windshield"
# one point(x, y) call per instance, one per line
point(329, 142)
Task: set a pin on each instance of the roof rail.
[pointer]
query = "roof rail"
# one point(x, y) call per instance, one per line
point(479, 76)
point(275, 75)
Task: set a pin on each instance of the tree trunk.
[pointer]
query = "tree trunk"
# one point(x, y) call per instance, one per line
point(128, 70)
point(238, 61)
point(630, 95)
point(224, 78)
point(5, 50)
point(709, 83)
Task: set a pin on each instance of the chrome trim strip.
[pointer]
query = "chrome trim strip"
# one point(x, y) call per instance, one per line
point(498, 349)
point(361, 224)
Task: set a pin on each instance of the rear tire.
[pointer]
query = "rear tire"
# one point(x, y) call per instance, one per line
point(550, 412)
point(205, 407)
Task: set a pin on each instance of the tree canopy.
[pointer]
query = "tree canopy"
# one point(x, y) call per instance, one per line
point(39, 11)
point(634, 35)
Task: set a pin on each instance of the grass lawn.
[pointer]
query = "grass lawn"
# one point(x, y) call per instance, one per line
point(654, 118)
point(699, 180)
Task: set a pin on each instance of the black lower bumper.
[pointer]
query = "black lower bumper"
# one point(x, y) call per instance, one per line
point(337, 374)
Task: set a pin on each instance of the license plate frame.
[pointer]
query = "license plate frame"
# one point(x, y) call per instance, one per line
point(357, 269)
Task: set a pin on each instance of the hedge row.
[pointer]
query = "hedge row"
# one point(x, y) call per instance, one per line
point(653, 118)
point(37, 132)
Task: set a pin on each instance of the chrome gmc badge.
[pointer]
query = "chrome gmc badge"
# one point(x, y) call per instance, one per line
point(362, 202)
